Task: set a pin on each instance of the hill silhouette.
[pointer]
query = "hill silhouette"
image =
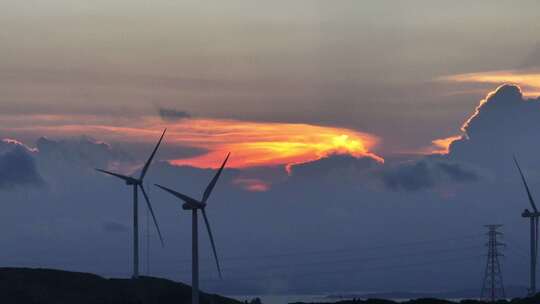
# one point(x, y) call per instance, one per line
point(44, 286)
point(531, 300)
point(49, 286)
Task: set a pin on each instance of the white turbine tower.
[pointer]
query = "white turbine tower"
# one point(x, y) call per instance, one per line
point(533, 216)
point(194, 205)
point(138, 183)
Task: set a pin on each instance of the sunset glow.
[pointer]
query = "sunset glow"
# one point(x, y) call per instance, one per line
point(442, 145)
point(252, 184)
point(529, 81)
point(252, 144)
point(267, 144)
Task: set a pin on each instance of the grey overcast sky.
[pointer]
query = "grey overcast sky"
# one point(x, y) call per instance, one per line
point(372, 66)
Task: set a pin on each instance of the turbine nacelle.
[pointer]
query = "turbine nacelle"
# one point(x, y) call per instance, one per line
point(527, 213)
point(130, 181)
point(193, 206)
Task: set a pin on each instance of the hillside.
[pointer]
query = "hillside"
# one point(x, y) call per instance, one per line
point(44, 286)
point(532, 300)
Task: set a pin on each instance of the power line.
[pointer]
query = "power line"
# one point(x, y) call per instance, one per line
point(515, 247)
point(303, 254)
point(360, 259)
point(319, 262)
point(452, 260)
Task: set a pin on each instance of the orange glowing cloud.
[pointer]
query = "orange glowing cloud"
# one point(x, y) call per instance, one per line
point(442, 145)
point(267, 144)
point(15, 142)
point(252, 184)
point(251, 143)
point(528, 80)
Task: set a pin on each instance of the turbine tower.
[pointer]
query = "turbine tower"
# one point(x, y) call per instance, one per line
point(137, 183)
point(194, 205)
point(533, 216)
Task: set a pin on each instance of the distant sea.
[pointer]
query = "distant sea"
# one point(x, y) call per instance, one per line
point(309, 298)
point(284, 299)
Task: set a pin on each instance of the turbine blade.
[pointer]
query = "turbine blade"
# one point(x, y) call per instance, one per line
point(212, 242)
point(152, 213)
point(126, 178)
point(181, 196)
point(149, 161)
point(214, 180)
point(529, 195)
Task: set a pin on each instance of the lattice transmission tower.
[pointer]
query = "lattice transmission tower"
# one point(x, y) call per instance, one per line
point(493, 286)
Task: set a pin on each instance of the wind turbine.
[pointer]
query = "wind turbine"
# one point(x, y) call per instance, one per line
point(194, 205)
point(533, 216)
point(137, 183)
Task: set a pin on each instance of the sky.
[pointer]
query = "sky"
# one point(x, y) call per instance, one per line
point(356, 129)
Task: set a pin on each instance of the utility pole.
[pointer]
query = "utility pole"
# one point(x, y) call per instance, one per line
point(493, 287)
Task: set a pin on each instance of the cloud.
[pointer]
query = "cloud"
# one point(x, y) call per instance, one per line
point(504, 123)
point(426, 174)
point(7, 144)
point(528, 79)
point(252, 184)
point(442, 145)
point(172, 115)
point(334, 164)
point(83, 151)
point(269, 144)
point(314, 208)
point(253, 143)
point(457, 172)
point(17, 166)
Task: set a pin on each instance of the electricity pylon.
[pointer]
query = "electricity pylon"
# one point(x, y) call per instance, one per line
point(493, 287)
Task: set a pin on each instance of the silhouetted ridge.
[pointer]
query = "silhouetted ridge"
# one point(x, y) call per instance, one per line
point(530, 300)
point(44, 286)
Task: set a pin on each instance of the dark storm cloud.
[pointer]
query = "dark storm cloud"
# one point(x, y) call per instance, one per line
point(337, 163)
point(172, 115)
point(425, 174)
point(83, 151)
point(18, 167)
point(504, 124)
point(457, 172)
point(413, 176)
